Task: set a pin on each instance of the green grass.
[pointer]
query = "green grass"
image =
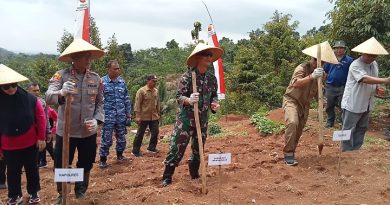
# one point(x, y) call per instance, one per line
point(369, 141)
point(386, 169)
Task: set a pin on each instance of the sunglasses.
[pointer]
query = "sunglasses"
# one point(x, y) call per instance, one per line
point(8, 86)
point(206, 54)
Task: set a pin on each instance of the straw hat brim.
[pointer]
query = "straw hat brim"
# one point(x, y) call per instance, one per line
point(327, 54)
point(79, 45)
point(371, 46)
point(7, 75)
point(192, 59)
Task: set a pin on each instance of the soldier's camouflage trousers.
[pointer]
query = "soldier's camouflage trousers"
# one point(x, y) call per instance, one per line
point(180, 138)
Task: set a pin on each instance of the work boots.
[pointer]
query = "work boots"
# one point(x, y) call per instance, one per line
point(167, 176)
point(193, 167)
point(80, 188)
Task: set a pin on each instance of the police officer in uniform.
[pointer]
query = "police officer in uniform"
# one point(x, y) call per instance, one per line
point(86, 108)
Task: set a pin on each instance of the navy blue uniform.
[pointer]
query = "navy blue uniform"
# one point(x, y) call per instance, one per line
point(117, 108)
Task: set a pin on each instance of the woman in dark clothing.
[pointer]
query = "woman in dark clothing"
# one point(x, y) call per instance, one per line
point(22, 132)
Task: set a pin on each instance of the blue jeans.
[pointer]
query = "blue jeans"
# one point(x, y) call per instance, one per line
point(358, 122)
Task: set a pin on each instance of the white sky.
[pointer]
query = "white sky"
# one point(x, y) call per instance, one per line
point(33, 26)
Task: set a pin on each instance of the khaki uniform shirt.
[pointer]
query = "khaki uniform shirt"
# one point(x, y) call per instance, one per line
point(300, 97)
point(86, 104)
point(147, 104)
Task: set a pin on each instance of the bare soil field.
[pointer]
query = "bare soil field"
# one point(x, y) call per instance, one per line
point(257, 174)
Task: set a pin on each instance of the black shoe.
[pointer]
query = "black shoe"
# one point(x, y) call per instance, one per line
point(153, 151)
point(328, 125)
point(167, 175)
point(136, 154)
point(121, 158)
point(34, 198)
point(166, 182)
point(290, 160)
point(16, 200)
point(103, 164)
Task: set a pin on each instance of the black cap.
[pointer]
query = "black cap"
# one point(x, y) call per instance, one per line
point(151, 77)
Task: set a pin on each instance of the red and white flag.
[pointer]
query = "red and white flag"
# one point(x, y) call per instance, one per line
point(218, 68)
point(81, 29)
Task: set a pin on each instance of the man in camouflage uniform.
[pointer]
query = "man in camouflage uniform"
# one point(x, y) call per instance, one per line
point(296, 100)
point(117, 109)
point(87, 111)
point(185, 127)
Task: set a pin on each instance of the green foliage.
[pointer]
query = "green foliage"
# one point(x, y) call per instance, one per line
point(264, 125)
point(358, 20)
point(172, 44)
point(214, 129)
point(263, 66)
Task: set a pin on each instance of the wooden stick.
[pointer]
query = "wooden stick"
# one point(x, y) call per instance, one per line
point(199, 134)
point(320, 105)
point(338, 167)
point(65, 146)
point(220, 184)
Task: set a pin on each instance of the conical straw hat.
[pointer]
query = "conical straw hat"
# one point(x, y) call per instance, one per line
point(371, 46)
point(217, 53)
point(327, 53)
point(7, 75)
point(79, 45)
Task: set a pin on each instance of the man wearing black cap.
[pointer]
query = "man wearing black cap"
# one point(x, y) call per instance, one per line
point(147, 113)
point(335, 81)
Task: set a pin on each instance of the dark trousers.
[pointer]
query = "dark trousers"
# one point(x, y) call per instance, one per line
point(86, 149)
point(15, 160)
point(154, 130)
point(42, 155)
point(333, 95)
point(3, 167)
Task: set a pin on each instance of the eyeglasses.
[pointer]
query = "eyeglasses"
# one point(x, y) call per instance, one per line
point(8, 86)
point(206, 54)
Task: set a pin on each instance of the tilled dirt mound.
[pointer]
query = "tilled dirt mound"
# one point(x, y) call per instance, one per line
point(257, 174)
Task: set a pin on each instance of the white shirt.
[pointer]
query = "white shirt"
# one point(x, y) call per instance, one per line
point(358, 96)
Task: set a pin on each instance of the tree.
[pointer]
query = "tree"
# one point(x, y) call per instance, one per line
point(358, 20)
point(43, 68)
point(263, 65)
point(172, 44)
point(127, 53)
point(67, 38)
point(113, 52)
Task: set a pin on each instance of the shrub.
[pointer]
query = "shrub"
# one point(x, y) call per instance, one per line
point(266, 126)
point(213, 129)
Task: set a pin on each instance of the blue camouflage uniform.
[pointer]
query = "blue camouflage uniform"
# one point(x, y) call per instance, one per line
point(117, 107)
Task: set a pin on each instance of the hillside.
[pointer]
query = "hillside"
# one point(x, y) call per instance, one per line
point(257, 174)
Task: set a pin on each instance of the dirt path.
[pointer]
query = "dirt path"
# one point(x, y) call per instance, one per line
point(257, 174)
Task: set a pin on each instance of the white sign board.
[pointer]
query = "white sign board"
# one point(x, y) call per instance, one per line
point(69, 175)
point(341, 135)
point(220, 159)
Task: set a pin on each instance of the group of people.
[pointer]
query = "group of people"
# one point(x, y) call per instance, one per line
point(28, 125)
point(25, 121)
point(350, 85)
